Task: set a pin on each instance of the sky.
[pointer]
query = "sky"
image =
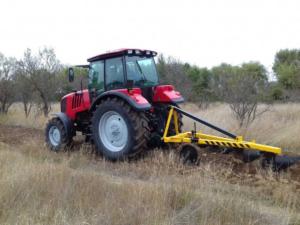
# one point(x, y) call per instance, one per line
point(201, 32)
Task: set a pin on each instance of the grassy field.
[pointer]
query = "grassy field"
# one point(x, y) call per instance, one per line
point(76, 187)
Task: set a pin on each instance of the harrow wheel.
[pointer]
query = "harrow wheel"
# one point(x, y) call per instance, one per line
point(188, 154)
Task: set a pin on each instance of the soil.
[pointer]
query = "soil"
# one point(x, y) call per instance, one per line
point(14, 135)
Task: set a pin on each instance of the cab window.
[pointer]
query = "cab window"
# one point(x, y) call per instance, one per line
point(114, 73)
point(141, 70)
point(96, 76)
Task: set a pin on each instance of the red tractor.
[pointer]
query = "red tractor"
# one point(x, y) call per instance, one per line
point(123, 111)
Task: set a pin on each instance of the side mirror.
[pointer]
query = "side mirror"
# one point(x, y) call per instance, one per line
point(71, 74)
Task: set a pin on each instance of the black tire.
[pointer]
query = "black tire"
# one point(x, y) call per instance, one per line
point(165, 115)
point(266, 163)
point(188, 155)
point(161, 115)
point(135, 122)
point(172, 130)
point(64, 141)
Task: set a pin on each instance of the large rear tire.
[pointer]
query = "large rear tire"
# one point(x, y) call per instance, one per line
point(118, 131)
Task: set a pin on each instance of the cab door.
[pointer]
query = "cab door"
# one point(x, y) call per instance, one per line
point(96, 77)
point(114, 73)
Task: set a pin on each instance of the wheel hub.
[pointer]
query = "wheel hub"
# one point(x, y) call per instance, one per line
point(113, 131)
point(54, 136)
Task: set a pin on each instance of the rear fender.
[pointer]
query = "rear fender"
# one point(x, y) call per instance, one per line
point(167, 93)
point(133, 97)
point(67, 122)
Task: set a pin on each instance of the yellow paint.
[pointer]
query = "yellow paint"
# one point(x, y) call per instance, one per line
point(206, 139)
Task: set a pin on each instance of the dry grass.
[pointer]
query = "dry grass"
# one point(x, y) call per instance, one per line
point(279, 127)
point(41, 187)
point(16, 117)
point(38, 187)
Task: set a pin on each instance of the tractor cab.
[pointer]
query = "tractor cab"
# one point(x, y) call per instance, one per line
point(121, 69)
point(126, 68)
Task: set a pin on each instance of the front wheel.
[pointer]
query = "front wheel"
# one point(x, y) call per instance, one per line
point(56, 135)
point(118, 130)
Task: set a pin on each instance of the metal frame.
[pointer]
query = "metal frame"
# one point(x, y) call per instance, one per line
point(200, 138)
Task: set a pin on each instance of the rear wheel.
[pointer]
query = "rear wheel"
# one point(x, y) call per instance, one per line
point(164, 117)
point(56, 135)
point(158, 125)
point(118, 130)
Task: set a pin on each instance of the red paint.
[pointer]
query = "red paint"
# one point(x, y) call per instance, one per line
point(165, 93)
point(135, 94)
point(81, 104)
point(80, 101)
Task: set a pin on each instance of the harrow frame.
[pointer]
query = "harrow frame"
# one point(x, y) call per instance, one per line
point(202, 139)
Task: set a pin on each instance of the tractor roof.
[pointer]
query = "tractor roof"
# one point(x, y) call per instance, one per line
point(121, 52)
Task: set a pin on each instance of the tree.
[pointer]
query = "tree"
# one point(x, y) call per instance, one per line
point(7, 86)
point(41, 70)
point(287, 68)
point(242, 87)
point(25, 89)
point(172, 71)
point(201, 84)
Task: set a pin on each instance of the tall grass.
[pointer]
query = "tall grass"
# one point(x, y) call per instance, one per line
point(41, 187)
point(38, 187)
point(16, 116)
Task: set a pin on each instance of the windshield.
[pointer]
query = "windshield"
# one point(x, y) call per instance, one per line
point(141, 70)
